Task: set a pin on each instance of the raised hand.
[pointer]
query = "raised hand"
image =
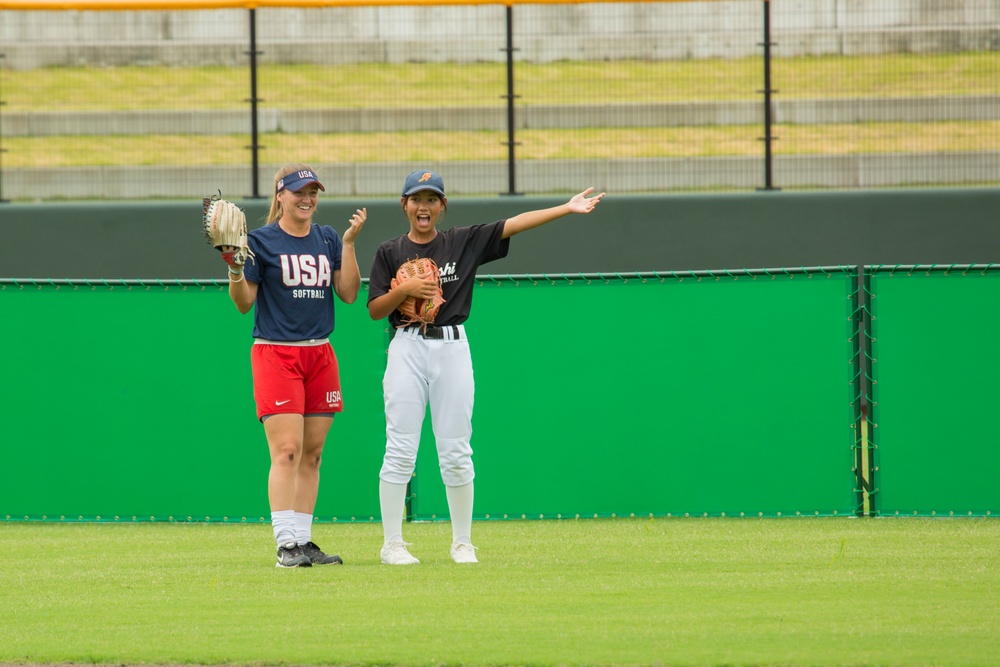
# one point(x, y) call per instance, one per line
point(357, 222)
point(582, 204)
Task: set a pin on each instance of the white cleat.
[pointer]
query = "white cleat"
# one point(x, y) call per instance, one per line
point(395, 553)
point(462, 552)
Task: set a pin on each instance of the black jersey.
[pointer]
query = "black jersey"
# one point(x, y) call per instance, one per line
point(458, 252)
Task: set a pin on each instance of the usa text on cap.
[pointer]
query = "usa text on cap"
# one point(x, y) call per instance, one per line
point(297, 180)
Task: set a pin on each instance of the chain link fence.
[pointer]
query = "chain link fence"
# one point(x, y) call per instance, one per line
point(649, 97)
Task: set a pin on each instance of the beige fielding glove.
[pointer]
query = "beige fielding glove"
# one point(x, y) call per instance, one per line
point(225, 227)
point(414, 310)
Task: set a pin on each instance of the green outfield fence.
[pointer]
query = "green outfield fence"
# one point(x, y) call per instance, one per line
point(814, 391)
point(935, 444)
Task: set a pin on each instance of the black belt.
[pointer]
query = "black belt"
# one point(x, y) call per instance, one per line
point(431, 332)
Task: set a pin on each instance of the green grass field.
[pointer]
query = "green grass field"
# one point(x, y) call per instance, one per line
point(657, 592)
point(433, 85)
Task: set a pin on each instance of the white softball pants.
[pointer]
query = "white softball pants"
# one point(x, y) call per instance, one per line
point(438, 372)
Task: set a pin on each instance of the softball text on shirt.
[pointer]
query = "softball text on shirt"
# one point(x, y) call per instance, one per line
point(295, 278)
point(458, 252)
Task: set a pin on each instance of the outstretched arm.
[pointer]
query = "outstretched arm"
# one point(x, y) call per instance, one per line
point(522, 222)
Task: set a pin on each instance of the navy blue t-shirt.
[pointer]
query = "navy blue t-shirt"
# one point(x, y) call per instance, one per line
point(295, 274)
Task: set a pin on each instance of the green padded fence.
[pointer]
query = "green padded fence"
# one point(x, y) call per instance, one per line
point(130, 402)
point(703, 394)
point(934, 369)
point(698, 394)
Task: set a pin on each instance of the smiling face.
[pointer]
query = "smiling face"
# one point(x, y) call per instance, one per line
point(423, 210)
point(298, 206)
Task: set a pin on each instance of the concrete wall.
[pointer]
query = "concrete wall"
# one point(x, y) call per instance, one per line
point(543, 33)
point(406, 22)
point(679, 114)
point(534, 177)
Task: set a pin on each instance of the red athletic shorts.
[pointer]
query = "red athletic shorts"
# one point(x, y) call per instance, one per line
point(302, 380)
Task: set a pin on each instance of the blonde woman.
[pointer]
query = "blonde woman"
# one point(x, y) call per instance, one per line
point(297, 268)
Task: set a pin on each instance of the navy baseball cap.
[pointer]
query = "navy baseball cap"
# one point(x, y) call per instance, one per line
point(297, 180)
point(423, 180)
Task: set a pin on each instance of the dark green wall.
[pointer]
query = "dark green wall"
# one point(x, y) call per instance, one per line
point(625, 233)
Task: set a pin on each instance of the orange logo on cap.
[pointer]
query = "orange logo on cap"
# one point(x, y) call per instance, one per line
point(425, 177)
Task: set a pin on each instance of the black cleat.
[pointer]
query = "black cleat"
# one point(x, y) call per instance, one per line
point(291, 555)
point(317, 557)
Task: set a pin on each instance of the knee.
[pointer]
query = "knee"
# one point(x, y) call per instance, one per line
point(397, 469)
point(312, 458)
point(457, 473)
point(286, 454)
point(400, 458)
point(455, 461)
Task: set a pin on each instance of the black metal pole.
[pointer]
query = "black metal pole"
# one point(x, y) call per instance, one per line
point(769, 137)
point(511, 143)
point(254, 145)
point(2, 200)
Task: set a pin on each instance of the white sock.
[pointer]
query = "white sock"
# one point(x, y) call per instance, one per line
point(303, 528)
point(392, 498)
point(283, 523)
point(460, 507)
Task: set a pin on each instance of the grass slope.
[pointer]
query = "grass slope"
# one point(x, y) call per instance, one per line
point(817, 592)
point(433, 85)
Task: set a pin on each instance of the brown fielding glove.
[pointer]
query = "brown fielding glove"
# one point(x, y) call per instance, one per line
point(414, 310)
point(225, 226)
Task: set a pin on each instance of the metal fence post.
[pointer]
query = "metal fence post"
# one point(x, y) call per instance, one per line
point(2, 149)
point(254, 144)
point(769, 138)
point(511, 143)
